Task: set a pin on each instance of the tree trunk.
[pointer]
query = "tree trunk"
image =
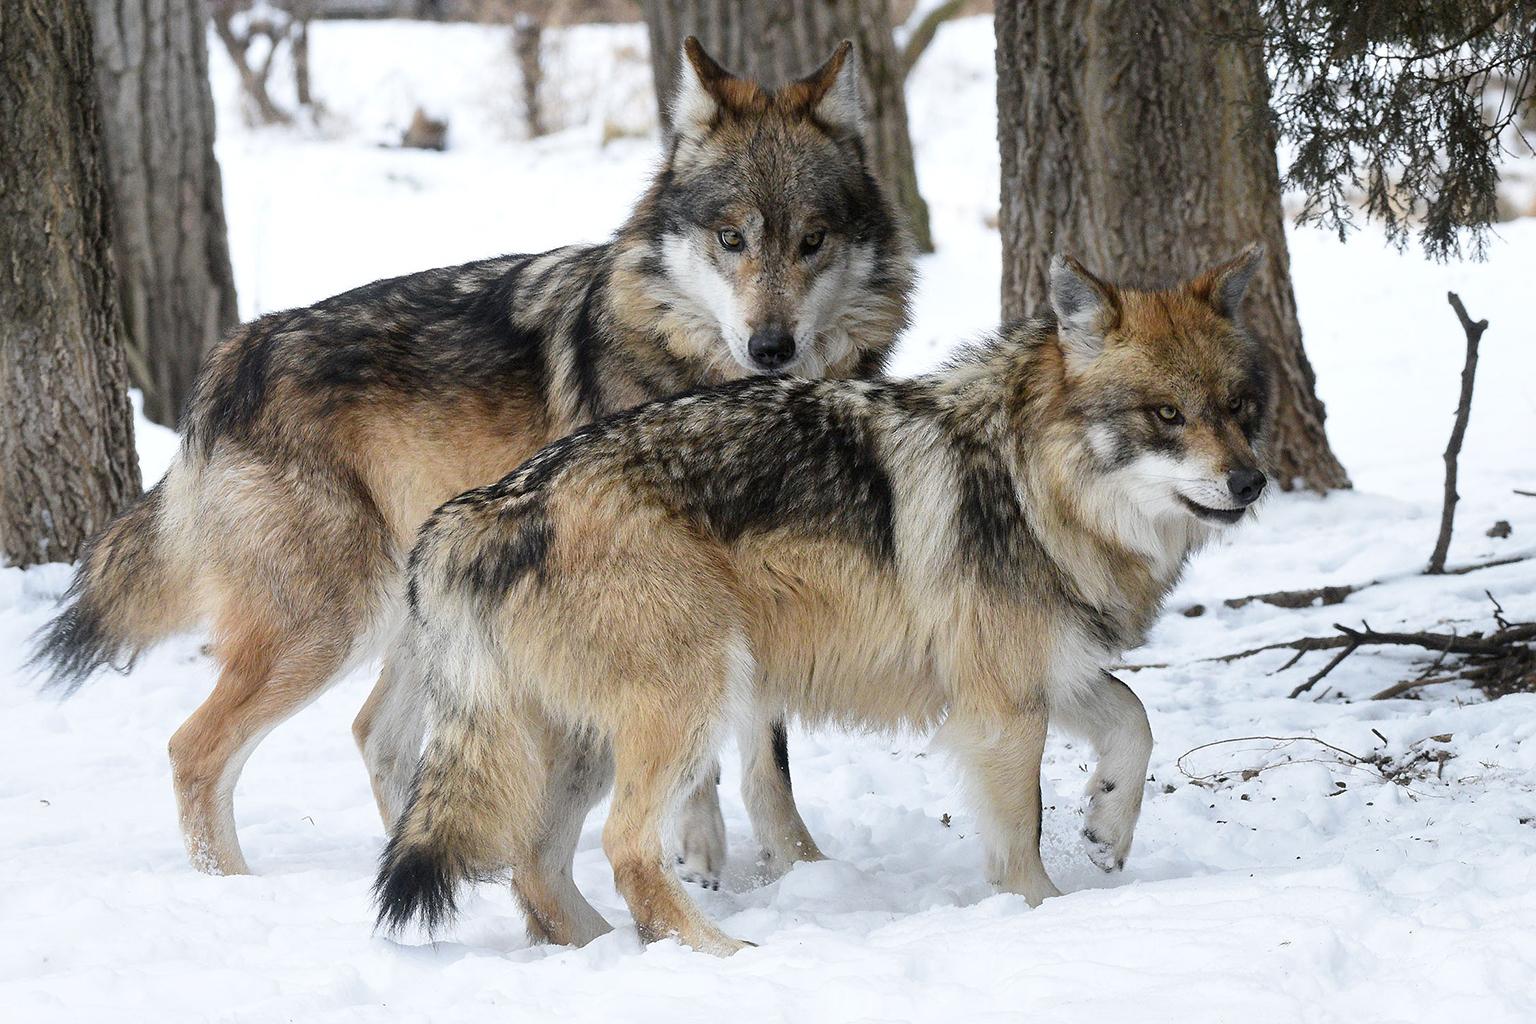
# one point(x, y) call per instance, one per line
point(175, 284)
point(67, 463)
point(778, 42)
point(1127, 140)
point(527, 47)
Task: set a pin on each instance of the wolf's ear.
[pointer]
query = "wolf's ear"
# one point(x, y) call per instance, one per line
point(1085, 309)
point(1223, 286)
point(701, 82)
point(833, 93)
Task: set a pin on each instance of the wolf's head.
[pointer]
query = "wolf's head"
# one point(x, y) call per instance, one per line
point(1172, 395)
point(765, 243)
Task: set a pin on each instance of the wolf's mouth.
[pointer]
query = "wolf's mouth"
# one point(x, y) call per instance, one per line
point(1213, 515)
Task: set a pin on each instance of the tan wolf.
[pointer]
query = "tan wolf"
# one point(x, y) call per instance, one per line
point(970, 548)
point(319, 439)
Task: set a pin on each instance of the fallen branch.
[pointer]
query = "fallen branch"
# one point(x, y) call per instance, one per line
point(1322, 597)
point(1398, 689)
point(1317, 597)
point(1500, 662)
point(1474, 333)
point(1302, 646)
point(1472, 643)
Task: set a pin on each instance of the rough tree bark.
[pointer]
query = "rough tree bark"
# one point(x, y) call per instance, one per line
point(1126, 139)
point(778, 42)
point(67, 463)
point(175, 285)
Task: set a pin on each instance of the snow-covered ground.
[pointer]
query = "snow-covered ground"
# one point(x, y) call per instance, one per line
point(1308, 891)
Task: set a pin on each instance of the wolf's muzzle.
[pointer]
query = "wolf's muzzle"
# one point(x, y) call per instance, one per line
point(771, 347)
point(1246, 484)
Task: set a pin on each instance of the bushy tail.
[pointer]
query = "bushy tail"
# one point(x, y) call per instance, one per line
point(466, 800)
point(126, 595)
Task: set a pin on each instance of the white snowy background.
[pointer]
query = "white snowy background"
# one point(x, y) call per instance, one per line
point(1313, 890)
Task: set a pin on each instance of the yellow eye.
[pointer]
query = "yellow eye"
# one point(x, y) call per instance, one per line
point(731, 239)
point(812, 241)
point(1170, 414)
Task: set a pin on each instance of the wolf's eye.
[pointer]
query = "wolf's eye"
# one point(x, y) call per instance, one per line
point(812, 241)
point(731, 239)
point(1170, 415)
point(1236, 404)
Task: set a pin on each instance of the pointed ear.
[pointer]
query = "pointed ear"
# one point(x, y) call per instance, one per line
point(1223, 286)
point(833, 92)
point(1086, 308)
point(696, 100)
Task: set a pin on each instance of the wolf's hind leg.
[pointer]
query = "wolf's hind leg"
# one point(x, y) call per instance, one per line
point(581, 769)
point(388, 730)
point(701, 832)
point(765, 787)
point(659, 748)
point(1114, 721)
point(267, 677)
point(1001, 750)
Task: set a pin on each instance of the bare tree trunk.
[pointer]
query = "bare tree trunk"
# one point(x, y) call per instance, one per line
point(778, 42)
point(527, 42)
point(67, 463)
point(175, 284)
point(1125, 135)
point(303, 13)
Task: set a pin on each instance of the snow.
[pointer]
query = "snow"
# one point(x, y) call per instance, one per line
point(1313, 890)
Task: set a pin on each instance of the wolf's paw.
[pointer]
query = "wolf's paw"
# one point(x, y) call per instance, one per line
point(776, 858)
point(718, 944)
point(701, 870)
point(701, 857)
point(1035, 889)
point(1111, 823)
point(700, 839)
point(1106, 856)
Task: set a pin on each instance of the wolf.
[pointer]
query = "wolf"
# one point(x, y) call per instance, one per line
point(318, 440)
point(969, 549)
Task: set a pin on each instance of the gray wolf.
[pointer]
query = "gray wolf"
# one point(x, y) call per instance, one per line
point(968, 549)
point(319, 439)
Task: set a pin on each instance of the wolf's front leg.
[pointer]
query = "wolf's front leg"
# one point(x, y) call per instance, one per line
point(1001, 751)
point(1114, 721)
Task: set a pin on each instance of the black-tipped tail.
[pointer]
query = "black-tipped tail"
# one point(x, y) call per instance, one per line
point(70, 649)
point(125, 596)
point(414, 884)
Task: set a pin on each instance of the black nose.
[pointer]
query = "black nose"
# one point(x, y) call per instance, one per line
point(1246, 485)
point(771, 347)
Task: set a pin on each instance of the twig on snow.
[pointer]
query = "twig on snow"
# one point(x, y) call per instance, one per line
point(1400, 770)
point(1249, 773)
point(1317, 676)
